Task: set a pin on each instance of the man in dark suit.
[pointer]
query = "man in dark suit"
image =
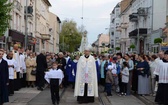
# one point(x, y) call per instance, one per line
point(41, 68)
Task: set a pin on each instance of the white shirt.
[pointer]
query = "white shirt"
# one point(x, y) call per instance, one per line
point(114, 68)
point(22, 62)
point(125, 75)
point(162, 71)
point(54, 74)
point(11, 69)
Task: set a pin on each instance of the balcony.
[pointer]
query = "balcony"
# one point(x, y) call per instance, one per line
point(45, 36)
point(124, 25)
point(142, 31)
point(133, 17)
point(118, 28)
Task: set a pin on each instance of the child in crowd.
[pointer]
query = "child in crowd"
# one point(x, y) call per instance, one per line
point(54, 77)
point(109, 80)
point(125, 78)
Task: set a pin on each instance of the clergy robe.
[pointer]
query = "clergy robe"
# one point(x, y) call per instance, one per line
point(162, 92)
point(17, 81)
point(86, 85)
point(23, 71)
point(11, 74)
point(4, 79)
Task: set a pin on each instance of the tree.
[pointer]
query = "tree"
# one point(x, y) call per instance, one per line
point(117, 48)
point(132, 46)
point(5, 16)
point(157, 40)
point(70, 36)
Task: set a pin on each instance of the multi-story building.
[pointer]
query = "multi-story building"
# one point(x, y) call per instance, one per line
point(42, 27)
point(16, 32)
point(55, 22)
point(142, 23)
point(115, 28)
point(102, 43)
point(30, 26)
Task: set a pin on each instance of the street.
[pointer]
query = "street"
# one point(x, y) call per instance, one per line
point(31, 96)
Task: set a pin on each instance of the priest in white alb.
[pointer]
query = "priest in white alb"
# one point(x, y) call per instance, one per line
point(86, 86)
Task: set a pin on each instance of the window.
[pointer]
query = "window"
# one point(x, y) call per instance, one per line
point(112, 33)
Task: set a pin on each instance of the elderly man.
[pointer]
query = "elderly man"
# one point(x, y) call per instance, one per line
point(61, 64)
point(86, 86)
point(40, 69)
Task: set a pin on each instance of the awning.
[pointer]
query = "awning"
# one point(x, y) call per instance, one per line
point(16, 35)
point(134, 33)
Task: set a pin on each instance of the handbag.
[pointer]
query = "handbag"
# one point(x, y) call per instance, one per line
point(33, 72)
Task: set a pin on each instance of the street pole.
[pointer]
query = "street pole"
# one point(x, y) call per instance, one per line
point(138, 44)
point(26, 20)
point(63, 42)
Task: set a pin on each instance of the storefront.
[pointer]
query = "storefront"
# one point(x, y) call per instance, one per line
point(17, 38)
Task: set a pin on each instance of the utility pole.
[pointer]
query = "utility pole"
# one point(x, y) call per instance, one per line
point(138, 42)
point(26, 21)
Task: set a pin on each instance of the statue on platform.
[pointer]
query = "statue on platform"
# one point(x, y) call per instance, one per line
point(84, 42)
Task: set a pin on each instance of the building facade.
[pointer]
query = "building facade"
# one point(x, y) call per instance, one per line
point(101, 44)
point(55, 22)
point(42, 27)
point(139, 22)
point(115, 28)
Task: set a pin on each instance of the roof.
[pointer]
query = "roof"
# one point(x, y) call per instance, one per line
point(58, 19)
point(47, 2)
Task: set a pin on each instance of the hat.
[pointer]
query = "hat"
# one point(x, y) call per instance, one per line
point(88, 47)
point(110, 67)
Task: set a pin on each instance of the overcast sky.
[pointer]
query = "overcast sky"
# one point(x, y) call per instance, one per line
point(96, 14)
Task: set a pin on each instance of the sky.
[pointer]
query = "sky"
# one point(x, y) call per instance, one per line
point(96, 14)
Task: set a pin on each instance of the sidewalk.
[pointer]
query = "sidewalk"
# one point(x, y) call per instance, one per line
point(148, 100)
point(23, 96)
point(123, 100)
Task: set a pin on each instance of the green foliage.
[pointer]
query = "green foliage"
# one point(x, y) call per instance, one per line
point(110, 49)
point(103, 44)
point(105, 51)
point(157, 40)
point(117, 48)
point(70, 36)
point(132, 46)
point(5, 16)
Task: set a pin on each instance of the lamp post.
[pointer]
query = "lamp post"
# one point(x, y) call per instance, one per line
point(138, 37)
point(26, 21)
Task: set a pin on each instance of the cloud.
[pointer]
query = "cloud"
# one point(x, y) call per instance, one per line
point(96, 14)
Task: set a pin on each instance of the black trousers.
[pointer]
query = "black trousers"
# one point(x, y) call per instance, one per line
point(11, 87)
point(17, 82)
point(54, 88)
point(85, 98)
point(23, 80)
point(124, 88)
point(40, 79)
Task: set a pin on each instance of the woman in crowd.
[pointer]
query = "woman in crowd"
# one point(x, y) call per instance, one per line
point(135, 74)
point(130, 68)
point(143, 76)
point(31, 65)
point(153, 66)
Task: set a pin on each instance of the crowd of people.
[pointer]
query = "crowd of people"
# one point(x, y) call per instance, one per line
point(125, 74)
